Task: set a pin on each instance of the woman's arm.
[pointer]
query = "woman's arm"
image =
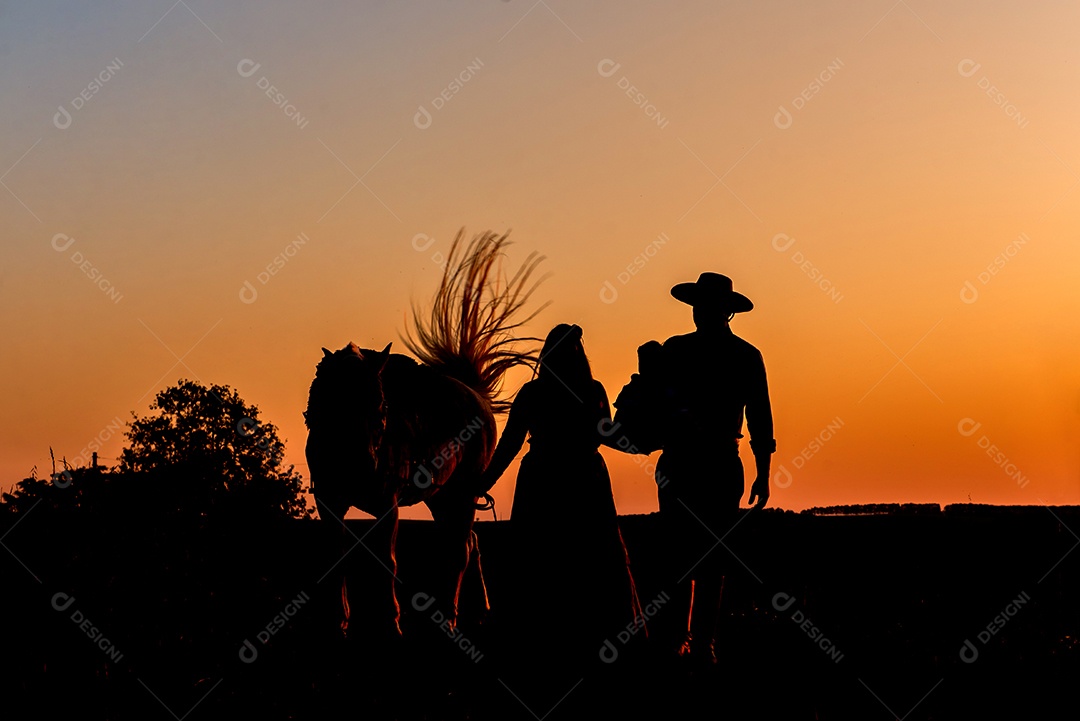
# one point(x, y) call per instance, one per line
point(513, 437)
point(609, 435)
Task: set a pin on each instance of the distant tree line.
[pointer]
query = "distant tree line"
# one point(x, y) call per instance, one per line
point(863, 509)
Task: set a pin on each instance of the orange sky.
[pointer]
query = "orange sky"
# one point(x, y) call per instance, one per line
point(896, 189)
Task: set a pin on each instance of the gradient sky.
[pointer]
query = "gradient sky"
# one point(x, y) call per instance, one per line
point(894, 185)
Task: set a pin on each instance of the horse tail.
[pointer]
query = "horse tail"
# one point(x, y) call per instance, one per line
point(469, 332)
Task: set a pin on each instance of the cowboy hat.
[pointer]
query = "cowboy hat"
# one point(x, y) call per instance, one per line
point(712, 288)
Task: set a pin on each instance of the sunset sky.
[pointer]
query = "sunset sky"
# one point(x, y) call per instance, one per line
point(214, 192)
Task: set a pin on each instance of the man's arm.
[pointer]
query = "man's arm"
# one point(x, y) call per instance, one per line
point(759, 423)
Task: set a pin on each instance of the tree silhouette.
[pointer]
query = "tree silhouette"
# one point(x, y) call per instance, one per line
point(214, 451)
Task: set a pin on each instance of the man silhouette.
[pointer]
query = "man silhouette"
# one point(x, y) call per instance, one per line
point(712, 377)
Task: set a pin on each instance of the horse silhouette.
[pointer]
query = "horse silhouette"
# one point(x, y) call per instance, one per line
point(386, 431)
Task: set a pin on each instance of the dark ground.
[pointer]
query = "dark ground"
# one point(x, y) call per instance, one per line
point(896, 595)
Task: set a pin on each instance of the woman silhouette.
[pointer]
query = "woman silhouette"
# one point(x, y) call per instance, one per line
point(571, 571)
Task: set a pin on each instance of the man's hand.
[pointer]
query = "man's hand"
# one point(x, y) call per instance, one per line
point(760, 490)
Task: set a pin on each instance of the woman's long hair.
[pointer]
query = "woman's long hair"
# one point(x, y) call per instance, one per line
point(563, 362)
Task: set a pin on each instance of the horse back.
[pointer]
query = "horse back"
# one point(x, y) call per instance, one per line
point(439, 431)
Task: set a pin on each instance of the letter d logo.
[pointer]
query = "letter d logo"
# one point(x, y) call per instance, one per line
point(608, 652)
point(782, 119)
point(422, 478)
point(62, 118)
point(782, 241)
point(422, 241)
point(969, 293)
point(782, 478)
point(247, 68)
point(248, 652)
point(59, 238)
point(783, 601)
point(967, 427)
point(422, 601)
point(968, 67)
point(62, 479)
point(607, 427)
point(422, 118)
point(245, 426)
point(62, 602)
point(608, 293)
point(607, 67)
point(248, 294)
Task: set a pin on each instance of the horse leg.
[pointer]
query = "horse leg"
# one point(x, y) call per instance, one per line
point(474, 574)
point(453, 514)
point(381, 541)
point(332, 514)
point(332, 503)
point(374, 568)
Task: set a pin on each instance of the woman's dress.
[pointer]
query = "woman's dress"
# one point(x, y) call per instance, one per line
point(571, 574)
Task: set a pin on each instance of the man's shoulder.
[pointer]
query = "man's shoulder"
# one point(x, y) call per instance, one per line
point(744, 344)
point(698, 338)
point(748, 352)
point(680, 341)
point(696, 343)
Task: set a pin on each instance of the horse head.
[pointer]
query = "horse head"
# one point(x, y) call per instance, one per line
point(347, 400)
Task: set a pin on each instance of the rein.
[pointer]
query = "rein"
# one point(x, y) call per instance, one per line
point(488, 504)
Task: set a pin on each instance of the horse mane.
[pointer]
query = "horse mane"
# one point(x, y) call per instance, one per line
point(332, 396)
point(468, 334)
